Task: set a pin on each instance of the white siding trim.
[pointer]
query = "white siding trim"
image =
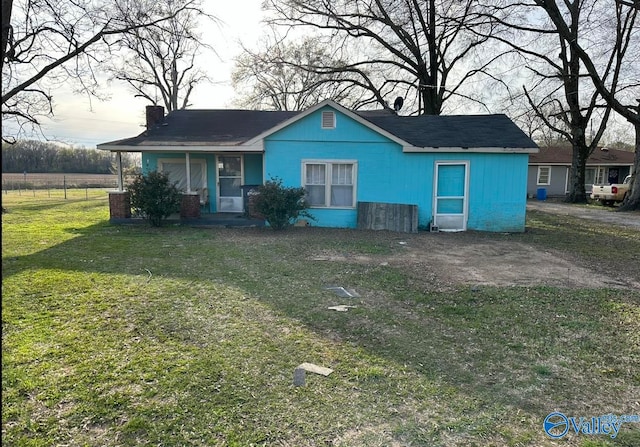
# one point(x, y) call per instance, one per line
point(548, 182)
point(465, 206)
point(328, 162)
point(490, 150)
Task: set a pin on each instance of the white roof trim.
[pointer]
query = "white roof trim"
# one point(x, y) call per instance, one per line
point(492, 150)
point(568, 164)
point(337, 107)
point(258, 147)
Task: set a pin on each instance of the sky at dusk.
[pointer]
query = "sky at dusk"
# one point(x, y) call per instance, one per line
point(82, 121)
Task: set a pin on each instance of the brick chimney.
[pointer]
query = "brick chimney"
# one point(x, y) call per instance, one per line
point(155, 115)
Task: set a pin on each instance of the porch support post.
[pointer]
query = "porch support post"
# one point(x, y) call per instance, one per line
point(119, 169)
point(190, 206)
point(188, 161)
point(119, 200)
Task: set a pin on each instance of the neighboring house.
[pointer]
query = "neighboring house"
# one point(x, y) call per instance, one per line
point(457, 172)
point(550, 169)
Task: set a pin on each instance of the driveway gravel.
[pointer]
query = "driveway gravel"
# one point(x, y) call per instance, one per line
point(606, 215)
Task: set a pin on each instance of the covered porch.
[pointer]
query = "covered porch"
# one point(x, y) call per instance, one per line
point(215, 186)
point(215, 157)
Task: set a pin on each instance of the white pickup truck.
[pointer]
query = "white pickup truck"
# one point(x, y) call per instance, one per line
point(610, 194)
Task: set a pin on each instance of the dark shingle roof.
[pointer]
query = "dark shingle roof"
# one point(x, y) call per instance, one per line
point(211, 127)
point(234, 127)
point(454, 130)
point(562, 155)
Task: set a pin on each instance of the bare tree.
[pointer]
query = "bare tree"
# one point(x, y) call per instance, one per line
point(423, 48)
point(7, 6)
point(159, 61)
point(293, 76)
point(51, 43)
point(620, 89)
point(558, 92)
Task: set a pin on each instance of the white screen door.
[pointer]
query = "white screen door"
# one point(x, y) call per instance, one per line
point(229, 184)
point(451, 195)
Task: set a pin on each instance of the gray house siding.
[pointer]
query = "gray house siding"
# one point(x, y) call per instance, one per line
point(604, 166)
point(557, 181)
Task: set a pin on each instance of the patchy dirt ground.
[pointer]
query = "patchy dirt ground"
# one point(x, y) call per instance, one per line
point(443, 260)
point(504, 263)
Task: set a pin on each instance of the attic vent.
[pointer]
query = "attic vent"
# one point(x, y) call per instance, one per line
point(328, 120)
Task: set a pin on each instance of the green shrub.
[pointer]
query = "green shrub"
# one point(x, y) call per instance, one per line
point(153, 197)
point(280, 205)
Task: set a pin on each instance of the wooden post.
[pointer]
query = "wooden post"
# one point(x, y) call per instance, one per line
point(119, 168)
point(188, 160)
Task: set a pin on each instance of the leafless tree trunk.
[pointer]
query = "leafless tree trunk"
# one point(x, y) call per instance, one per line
point(632, 201)
point(53, 42)
point(6, 27)
point(557, 93)
point(622, 53)
point(159, 62)
point(422, 49)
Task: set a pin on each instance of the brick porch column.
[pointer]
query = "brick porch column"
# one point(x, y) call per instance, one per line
point(190, 206)
point(119, 205)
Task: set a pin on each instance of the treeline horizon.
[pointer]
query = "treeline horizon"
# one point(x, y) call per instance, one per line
point(41, 157)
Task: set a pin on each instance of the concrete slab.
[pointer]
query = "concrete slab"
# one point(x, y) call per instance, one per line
point(310, 367)
point(342, 292)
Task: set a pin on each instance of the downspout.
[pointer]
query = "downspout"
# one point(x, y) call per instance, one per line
point(188, 159)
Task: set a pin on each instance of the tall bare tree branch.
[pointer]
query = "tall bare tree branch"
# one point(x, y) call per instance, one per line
point(427, 44)
point(561, 87)
point(159, 62)
point(50, 43)
point(623, 53)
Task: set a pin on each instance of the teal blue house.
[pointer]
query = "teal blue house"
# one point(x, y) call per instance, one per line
point(455, 173)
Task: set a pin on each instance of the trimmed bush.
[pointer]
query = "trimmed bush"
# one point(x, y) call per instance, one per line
point(153, 197)
point(280, 205)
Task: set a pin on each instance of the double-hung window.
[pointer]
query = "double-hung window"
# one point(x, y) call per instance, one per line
point(330, 184)
point(544, 175)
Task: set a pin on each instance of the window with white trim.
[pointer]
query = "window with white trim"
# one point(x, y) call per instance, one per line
point(544, 175)
point(328, 120)
point(330, 184)
point(177, 170)
point(600, 176)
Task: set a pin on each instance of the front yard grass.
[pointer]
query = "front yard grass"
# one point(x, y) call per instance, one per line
point(176, 336)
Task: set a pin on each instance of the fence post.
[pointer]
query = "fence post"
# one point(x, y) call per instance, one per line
point(86, 193)
point(64, 186)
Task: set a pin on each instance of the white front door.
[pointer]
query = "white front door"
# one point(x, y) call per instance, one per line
point(229, 184)
point(451, 190)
